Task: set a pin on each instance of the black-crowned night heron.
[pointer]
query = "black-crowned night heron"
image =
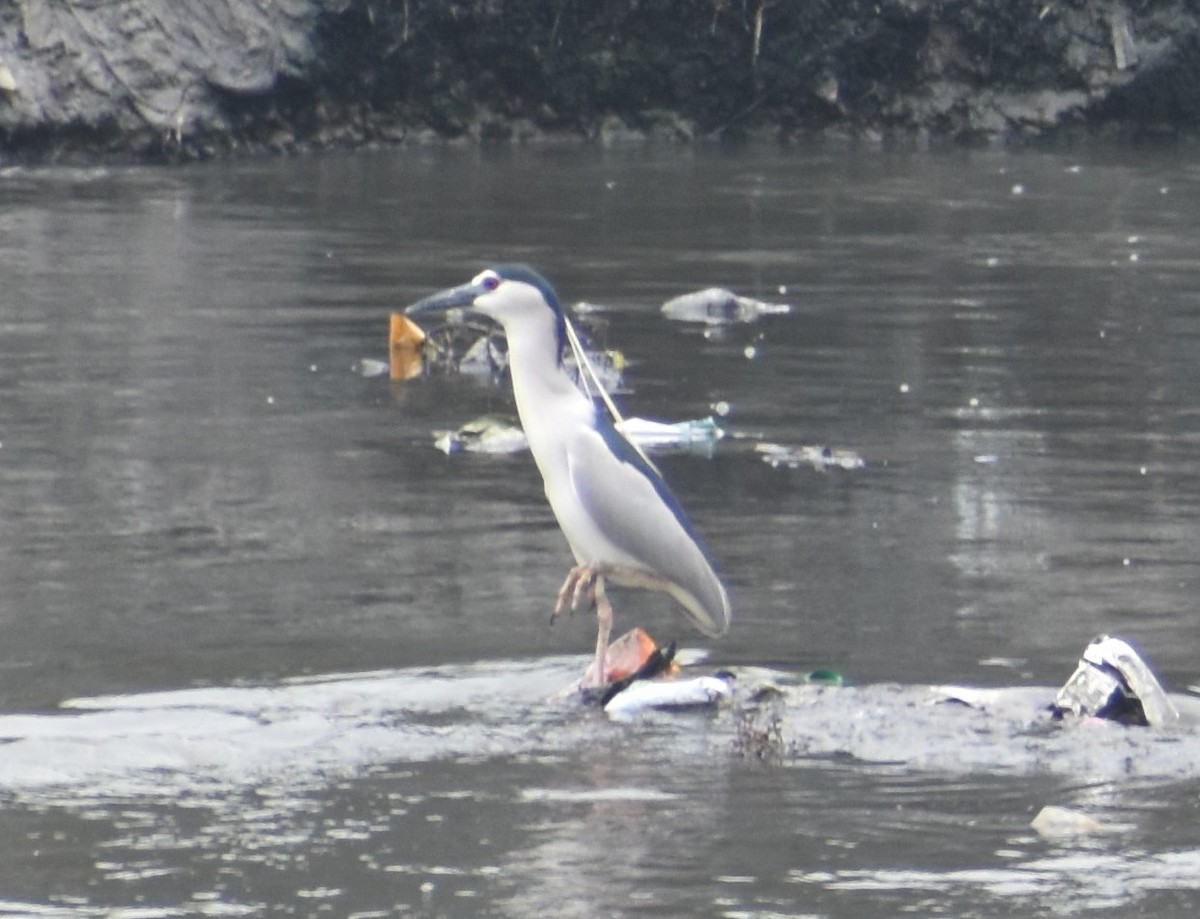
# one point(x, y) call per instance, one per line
point(621, 521)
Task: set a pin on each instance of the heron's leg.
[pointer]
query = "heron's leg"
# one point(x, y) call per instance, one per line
point(604, 619)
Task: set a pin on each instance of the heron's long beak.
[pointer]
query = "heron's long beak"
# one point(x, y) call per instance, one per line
point(454, 298)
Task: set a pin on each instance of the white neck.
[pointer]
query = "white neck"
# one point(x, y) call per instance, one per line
point(549, 403)
point(538, 376)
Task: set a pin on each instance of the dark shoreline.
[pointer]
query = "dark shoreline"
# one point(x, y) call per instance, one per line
point(139, 81)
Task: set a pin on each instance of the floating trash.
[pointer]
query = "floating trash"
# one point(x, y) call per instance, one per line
point(584, 308)
point(628, 656)
point(371, 367)
point(819, 457)
point(702, 434)
point(488, 356)
point(825, 676)
point(405, 340)
point(632, 657)
point(1053, 822)
point(462, 345)
point(477, 347)
point(718, 306)
point(698, 692)
point(644, 677)
point(486, 434)
point(502, 434)
point(1112, 681)
point(608, 365)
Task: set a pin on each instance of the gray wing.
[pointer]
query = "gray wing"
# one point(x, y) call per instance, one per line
point(634, 510)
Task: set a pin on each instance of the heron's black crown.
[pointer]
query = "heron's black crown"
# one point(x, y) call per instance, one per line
point(514, 271)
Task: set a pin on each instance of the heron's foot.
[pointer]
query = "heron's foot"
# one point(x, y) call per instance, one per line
point(580, 582)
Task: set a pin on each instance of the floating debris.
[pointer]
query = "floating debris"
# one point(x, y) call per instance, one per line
point(825, 676)
point(1008, 663)
point(702, 434)
point(819, 457)
point(608, 365)
point(1112, 681)
point(1053, 821)
point(464, 344)
point(584, 308)
point(718, 306)
point(502, 434)
point(1125, 53)
point(633, 657)
point(486, 434)
point(488, 356)
point(698, 692)
point(643, 676)
point(405, 340)
point(371, 367)
point(629, 656)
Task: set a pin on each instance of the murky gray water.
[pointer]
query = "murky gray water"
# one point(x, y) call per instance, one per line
point(307, 656)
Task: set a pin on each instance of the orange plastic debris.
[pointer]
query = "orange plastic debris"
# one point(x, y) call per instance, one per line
point(404, 347)
point(628, 653)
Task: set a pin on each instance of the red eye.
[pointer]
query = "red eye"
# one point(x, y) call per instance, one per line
point(491, 282)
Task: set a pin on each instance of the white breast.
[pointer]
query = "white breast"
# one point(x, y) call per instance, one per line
point(558, 422)
point(558, 429)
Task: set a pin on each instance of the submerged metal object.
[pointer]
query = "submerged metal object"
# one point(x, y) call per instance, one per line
point(1112, 681)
